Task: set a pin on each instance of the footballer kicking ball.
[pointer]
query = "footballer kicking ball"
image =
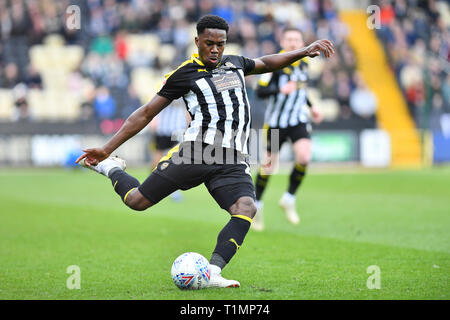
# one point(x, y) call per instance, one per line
point(191, 271)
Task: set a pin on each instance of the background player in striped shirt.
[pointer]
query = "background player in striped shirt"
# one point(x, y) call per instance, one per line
point(213, 89)
point(288, 112)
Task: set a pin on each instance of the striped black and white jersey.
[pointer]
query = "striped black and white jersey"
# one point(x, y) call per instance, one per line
point(216, 99)
point(285, 110)
point(172, 119)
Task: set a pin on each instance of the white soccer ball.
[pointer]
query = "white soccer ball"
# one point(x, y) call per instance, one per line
point(191, 271)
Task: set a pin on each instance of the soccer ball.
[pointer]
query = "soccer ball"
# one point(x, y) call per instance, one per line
point(191, 271)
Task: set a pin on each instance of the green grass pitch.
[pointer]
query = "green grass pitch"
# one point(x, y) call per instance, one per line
point(397, 220)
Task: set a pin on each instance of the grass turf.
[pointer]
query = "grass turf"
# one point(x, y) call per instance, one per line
point(397, 220)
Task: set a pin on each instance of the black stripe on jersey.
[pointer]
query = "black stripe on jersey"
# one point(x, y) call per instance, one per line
point(220, 125)
point(285, 97)
point(293, 107)
point(204, 109)
point(235, 114)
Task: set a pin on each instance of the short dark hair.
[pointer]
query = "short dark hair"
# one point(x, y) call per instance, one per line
point(287, 29)
point(211, 22)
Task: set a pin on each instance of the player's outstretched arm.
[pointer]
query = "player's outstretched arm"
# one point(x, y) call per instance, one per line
point(134, 123)
point(278, 61)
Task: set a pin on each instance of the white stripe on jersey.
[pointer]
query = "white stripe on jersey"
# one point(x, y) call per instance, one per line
point(283, 123)
point(301, 110)
point(196, 124)
point(238, 138)
point(229, 120)
point(275, 110)
point(212, 108)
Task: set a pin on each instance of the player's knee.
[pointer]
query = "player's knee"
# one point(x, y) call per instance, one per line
point(244, 206)
point(137, 201)
point(303, 152)
point(303, 158)
point(267, 170)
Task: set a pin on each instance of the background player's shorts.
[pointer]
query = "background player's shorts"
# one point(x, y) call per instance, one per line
point(164, 142)
point(225, 182)
point(300, 131)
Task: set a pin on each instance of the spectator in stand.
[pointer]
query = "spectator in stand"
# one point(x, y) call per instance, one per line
point(132, 102)
point(362, 101)
point(327, 83)
point(104, 104)
point(107, 61)
point(418, 47)
point(19, 19)
point(342, 93)
point(33, 78)
point(446, 93)
point(11, 76)
point(21, 111)
point(120, 45)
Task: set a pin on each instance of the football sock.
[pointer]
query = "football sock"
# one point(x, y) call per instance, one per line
point(122, 182)
point(217, 260)
point(260, 184)
point(230, 239)
point(296, 177)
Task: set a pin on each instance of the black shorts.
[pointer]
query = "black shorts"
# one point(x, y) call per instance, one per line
point(164, 142)
point(300, 131)
point(225, 182)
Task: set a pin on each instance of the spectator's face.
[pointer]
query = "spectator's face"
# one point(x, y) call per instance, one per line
point(291, 40)
point(211, 44)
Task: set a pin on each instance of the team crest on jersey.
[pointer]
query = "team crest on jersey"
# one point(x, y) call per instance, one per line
point(229, 65)
point(163, 165)
point(223, 68)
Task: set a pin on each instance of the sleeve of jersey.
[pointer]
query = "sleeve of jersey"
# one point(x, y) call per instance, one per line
point(247, 64)
point(174, 86)
point(267, 85)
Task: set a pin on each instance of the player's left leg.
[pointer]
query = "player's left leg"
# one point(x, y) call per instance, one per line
point(266, 170)
point(302, 151)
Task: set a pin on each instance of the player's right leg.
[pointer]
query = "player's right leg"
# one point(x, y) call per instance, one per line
point(302, 150)
point(236, 196)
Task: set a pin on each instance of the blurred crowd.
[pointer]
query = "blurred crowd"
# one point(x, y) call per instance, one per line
point(104, 25)
point(417, 41)
point(410, 34)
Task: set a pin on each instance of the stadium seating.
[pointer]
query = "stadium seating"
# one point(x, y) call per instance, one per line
point(6, 104)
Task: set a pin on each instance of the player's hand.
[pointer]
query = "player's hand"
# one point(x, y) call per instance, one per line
point(324, 46)
point(288, 87)
point(316, 115)
point(93, 156)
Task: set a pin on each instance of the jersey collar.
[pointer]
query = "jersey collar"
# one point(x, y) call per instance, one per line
point(195, 58)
